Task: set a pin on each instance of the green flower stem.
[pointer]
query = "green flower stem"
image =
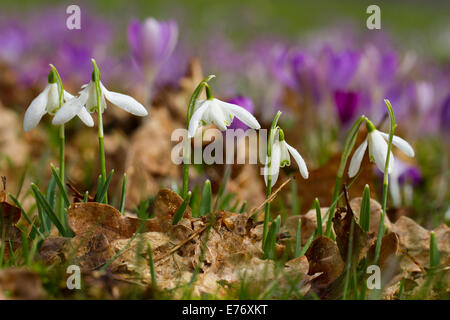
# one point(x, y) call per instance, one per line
point(61, 164)
point(348, 147)
point(385, 182)
point(273, 129)
point(62, 141)
point(190, 112)
point(101, 144)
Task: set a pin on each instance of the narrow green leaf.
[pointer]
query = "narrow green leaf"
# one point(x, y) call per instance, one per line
point(62, 190)
point(25, 215)
point(434, 252)
point(269, 245)
point(51, 192)
point(318, 217)
point(123, 193)
point(244, 205)
point(180, 211)
point(298, 239)
point(205, 205)
point(48, 210)
point(104, 189)
point(364, 213)
point(152, 265)
point(294, 198)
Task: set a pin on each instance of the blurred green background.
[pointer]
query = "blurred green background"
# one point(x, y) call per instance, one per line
point(420, 25)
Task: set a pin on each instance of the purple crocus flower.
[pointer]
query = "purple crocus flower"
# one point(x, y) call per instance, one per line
point(445, 115)
point(247, 104)
point(152, 42)
point(346, 104)
point(411, 174)
point(342, 67)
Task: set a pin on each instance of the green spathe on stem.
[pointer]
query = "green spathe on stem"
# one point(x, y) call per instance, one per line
point(190, 111)
point(273, 129)
point(385, 181)
point(96, 78)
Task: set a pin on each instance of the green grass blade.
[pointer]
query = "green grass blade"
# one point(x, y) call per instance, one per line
point(123, 193)
point(180, 211)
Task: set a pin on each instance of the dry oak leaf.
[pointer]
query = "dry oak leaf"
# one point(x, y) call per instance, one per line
point(415, 240)
point(21, 283)
point(52, 250)
point(164, 207)
point(362, 241)
point(324, 257)
point(309, 224)
point(9, 216)
point(93, 217)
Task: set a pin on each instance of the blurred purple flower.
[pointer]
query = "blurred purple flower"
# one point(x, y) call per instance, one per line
point(346, 103)
point(445, 115)
point(247, 104)
point(14, 41)
point(152, 43)
point(342, 67)
point(410, 174)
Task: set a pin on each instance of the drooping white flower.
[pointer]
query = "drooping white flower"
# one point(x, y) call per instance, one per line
point(378, 147)
point(280, 157)
point(221, 114)
point(88, 99)
point(48, 102)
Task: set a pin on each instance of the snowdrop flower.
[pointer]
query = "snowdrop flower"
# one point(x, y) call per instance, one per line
point(220, 113)
point(48, 102)
point(281, 152)
point(88, 99)
point(378, 147)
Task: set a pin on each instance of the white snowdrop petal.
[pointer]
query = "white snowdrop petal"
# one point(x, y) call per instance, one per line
point(68, 96)
point(379, 150)
point(68, 110)
point(285, 158)
point(218, 117)
point(355, 162)
point(86, 117)
point(53, 98)
point(400, 143)
point(36, 110)
point(126, 103)
point(274, 168)
point(200, 110)
point(242, 114)
point(299, 159)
